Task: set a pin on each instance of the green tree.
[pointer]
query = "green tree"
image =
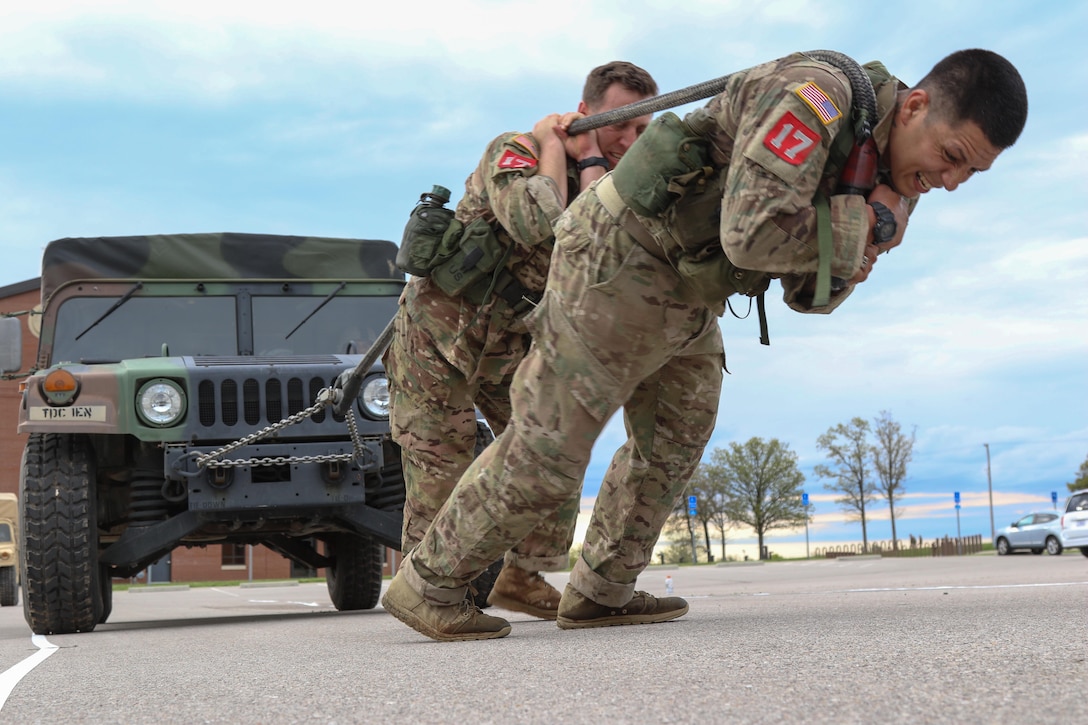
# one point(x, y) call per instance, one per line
point(762, 485)
point(1081, 481)
point(891, 454)
point(711, 494)
point(848, 451)
point(680, 529)
point(718, 511)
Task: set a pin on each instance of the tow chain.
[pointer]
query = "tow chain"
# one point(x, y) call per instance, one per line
point(325, 398)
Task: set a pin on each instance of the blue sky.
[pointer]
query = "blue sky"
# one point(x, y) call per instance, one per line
point(315, 118)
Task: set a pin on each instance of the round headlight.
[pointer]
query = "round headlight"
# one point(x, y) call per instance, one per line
point(374, 397)
point(160, 402)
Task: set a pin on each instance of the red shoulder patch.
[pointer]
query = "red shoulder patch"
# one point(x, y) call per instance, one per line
point(512, 160)
point(791, 140)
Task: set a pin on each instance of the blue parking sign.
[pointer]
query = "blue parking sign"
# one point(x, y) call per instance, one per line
point(957, 495)
point(804, 499)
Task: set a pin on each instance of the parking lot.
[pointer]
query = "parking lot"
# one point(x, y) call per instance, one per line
point(958, 639)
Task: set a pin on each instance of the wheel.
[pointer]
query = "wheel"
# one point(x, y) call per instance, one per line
point(1084, 550)
point(59, 566)
point(1036, 551)
point(1053, 546)
point(9, 587)
point(1003, 546)
point(354, 577)
point(482, 585)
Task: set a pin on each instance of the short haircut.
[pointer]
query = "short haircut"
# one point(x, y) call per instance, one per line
point(629, 75)
point(980, 86)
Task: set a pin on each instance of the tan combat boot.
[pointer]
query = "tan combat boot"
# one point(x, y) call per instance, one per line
point(524, 591)
point(453, 623)
point(578, 612)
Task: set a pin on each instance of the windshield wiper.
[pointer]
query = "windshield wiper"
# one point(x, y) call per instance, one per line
point(113, 308)
point(317, 309)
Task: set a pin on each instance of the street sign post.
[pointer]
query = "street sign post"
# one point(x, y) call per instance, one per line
point(1054, 499)
point(693, 509)
point(959, 536)
point(804, 502)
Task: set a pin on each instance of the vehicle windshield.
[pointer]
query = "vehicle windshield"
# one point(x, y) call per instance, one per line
point(343, 324)
point(5, 534)
point(209, 325)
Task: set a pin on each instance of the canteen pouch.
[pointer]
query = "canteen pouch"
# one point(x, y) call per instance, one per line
point(667, 149)
point(425, 242)
point(476, 253)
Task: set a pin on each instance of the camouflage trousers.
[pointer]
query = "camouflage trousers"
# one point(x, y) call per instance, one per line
point(616, 327)
point(433, 410)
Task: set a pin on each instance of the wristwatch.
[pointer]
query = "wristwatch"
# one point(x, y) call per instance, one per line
point(594, 161)
point(885, 227)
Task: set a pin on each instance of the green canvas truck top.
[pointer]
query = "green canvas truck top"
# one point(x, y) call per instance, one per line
point(222, 255)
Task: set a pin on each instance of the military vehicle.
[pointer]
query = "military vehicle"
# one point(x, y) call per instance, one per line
point(9, 550)
point(176, 401)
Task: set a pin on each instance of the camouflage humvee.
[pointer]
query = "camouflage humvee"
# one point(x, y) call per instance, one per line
point(173, 404)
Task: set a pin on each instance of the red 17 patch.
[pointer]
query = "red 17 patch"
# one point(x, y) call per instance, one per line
point(791, 140)
point(511, 160)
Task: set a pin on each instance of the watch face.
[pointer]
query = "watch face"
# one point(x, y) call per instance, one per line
point(884, 229)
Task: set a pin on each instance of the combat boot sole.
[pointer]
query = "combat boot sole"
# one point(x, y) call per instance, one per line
point(527, 592)
point(458, 623)
point(514, 605)
point(578, 612)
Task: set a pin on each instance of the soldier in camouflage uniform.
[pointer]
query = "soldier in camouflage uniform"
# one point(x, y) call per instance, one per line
point(449, 356)
point(627, 320)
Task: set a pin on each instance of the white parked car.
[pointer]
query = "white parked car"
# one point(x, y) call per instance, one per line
point(1074, 522)
point(1036, 532)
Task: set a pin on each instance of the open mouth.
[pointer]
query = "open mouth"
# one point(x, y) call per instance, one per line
point(922, 183)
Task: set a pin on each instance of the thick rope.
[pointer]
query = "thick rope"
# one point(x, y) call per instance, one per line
point(864, 97)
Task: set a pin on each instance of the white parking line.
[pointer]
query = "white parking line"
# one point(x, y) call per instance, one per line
point(11, 676)
point(970, 586)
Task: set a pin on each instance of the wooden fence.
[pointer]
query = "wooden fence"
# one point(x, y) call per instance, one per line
point(915, 547)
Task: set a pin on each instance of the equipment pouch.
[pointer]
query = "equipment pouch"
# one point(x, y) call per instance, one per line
point(476, 254)
point(713, 277)
point(667, 149)
point(423, 246)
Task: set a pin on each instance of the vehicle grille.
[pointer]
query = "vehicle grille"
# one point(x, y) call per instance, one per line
point(258, 402)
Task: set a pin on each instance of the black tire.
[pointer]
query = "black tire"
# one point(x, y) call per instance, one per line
point(1003, 547)
point(1084, 550)
point(354, 577)
point(481, 586)
point(9, 587)
point(59, 566)
point(1053, 546)
point(1036, 551)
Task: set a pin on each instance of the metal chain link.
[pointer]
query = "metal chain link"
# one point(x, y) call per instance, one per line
point(325, 398)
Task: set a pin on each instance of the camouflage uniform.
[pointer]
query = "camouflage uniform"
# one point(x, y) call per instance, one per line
point(619, 325)
point(450, 356)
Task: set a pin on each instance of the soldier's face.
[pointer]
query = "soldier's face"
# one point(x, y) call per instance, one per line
point(927, 152)
point(616, 139)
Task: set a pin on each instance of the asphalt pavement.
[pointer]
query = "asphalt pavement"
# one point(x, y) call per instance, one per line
point(977, 639)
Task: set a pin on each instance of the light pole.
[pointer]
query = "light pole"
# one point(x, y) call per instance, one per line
point(804, 502)
point(990, 486)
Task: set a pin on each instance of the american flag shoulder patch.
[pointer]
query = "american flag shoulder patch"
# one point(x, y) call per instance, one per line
point(819, 102)
point(528, 144)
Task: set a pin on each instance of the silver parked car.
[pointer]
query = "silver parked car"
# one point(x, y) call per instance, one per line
point(1036, 532)
point(1074, 522)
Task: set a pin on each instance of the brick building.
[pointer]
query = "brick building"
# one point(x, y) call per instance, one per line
point(230, 562)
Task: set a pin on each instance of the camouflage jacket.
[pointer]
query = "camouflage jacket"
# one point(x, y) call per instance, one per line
point(523, 208)
point(770, 132)
point(506, 189)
